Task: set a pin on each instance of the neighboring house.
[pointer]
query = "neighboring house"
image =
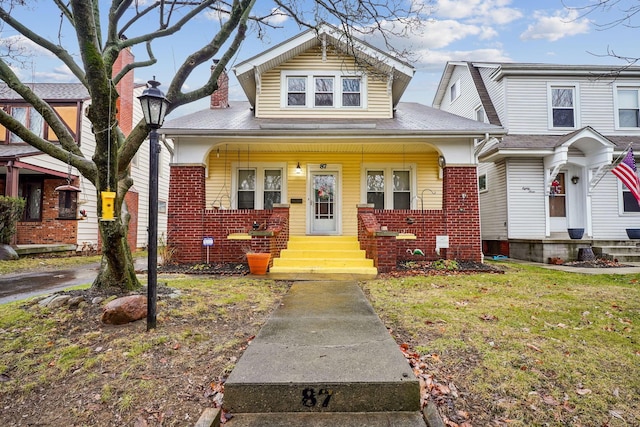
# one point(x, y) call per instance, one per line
point(324, 147)
point(567, 125)
point(54, 218)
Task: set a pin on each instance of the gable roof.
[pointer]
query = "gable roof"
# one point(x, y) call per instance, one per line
point(249, 71)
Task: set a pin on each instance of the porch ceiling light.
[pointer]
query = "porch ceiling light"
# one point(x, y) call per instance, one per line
point(298, 169)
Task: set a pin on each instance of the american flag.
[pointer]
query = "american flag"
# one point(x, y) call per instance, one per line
point(627, 172)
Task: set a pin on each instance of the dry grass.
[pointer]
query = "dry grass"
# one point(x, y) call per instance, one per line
point(531, 347)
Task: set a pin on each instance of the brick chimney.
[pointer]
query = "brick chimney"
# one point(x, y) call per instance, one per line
point(220, 98)
point(124, 104)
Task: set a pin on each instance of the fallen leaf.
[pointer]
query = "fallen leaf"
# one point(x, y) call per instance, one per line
point(550, 400)
point(140, 422)
point(489, 317)
point(616, 414)
point(583, 391)
point(533, 347)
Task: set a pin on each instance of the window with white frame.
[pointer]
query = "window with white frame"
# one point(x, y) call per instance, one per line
point(323, 95)
point(351, 94)
point(455, 90)
point(258, 187)
point(628, 106)
point(297, 91)
point(30, 118)
point(482, 182)
point(563, 106)
point(389, 187)
point(629, 202)
point(309, 89)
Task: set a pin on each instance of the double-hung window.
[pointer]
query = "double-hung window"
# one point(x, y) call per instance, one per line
point(628, 107)
point(296, 91)
point(351, 92)
point(389, 187)
point(259, 187)
point(563, 106)
point(30, 118)
point(322, 90)
point(323, 96)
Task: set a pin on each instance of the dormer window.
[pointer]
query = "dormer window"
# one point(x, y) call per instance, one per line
point(351, 92)
point(296, 91)
point(323, 91)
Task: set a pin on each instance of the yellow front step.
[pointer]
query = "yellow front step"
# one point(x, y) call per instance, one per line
point(323, 255)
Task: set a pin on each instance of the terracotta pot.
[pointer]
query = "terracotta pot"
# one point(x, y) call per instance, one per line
point(258, 262)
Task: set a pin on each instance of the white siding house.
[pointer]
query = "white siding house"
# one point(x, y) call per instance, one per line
point(567, 127)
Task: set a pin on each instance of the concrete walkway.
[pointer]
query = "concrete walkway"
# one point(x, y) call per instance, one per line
point(323, 358)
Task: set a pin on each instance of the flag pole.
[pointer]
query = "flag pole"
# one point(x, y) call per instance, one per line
point(612, 165)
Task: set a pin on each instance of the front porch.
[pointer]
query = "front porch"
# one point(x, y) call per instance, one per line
point(197, 234)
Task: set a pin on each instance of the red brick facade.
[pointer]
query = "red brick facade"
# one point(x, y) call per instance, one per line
point(50, 230)
point(189, 221)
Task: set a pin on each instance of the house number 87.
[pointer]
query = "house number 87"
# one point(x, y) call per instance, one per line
point(310, 397)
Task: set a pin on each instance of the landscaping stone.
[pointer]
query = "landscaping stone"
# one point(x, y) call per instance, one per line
point(7, 253)
point(125, 310)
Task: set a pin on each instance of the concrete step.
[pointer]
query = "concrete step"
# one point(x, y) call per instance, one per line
point(621, 249)
point(323, 262)
point(323, 255)
point(323, 350)
point(379, 419)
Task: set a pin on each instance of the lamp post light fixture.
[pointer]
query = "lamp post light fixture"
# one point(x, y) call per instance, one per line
point(154, 106)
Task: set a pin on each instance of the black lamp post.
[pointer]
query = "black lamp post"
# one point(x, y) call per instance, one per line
point(154, 107)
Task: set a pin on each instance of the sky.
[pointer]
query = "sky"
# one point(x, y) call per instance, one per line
point(532, 31)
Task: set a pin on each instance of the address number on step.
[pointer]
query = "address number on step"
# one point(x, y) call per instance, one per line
point(311, 397)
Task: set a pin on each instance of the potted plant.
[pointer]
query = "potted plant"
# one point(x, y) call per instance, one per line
point(258, 261)
point(633, 233)
point(575, 233)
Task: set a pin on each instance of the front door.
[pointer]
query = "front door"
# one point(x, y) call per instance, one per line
point(324, 202)
point(558, 204)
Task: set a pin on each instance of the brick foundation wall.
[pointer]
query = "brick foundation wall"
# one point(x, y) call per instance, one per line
point(462, 215)
point(189, 222)
point(50, 230)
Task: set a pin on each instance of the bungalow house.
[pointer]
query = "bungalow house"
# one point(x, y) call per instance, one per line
point(546, 188)
point(324, 153)
point(58, 220)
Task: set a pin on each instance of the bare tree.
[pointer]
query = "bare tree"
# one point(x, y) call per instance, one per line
point(99, 38)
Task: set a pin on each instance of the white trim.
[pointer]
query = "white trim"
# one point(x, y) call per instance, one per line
point(616, 115)
point(259, 167)
point(388, 169)
point(316, 168)
point(486, 183)
point(576, 104)
point(310, 76)
point(453, 96)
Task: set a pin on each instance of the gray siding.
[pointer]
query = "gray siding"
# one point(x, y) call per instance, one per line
point(525, 198)
point(493, 202)
point(464, 105)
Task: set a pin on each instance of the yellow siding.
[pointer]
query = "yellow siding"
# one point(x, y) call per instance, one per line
point(268, 102)
point(219, 190)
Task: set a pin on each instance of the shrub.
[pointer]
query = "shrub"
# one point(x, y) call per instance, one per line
point(10, 213)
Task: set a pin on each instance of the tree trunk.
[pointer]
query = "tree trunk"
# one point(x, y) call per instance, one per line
point(117, 268)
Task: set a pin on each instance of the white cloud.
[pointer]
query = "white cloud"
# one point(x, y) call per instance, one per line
point(60, 74)
point(436, 58)
point(561, 24)
point(23, 47)
point(484, 11)
point(278, 17)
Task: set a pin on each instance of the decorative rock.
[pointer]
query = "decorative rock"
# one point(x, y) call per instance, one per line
point(46, 300)
point(125, 310)
point(97, 300)
point(7, 253)
point(75, 301)
point(59, 301)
